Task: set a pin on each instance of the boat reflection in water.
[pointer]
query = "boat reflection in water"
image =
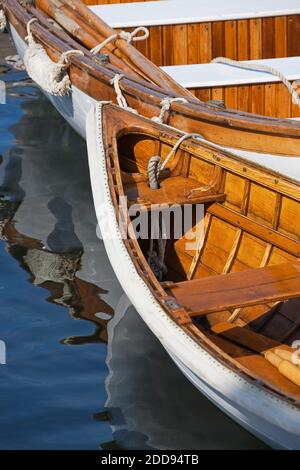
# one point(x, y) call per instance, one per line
point(49, 227)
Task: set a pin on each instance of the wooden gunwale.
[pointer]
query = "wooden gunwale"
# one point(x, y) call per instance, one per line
point(56, 9)
point(256, 132)
point(113, 127)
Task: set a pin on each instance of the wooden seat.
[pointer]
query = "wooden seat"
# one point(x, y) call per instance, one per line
point(241, 289)
point(173, 190)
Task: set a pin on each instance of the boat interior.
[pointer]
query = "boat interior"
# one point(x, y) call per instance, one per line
point(240, 281)
point(182, 46)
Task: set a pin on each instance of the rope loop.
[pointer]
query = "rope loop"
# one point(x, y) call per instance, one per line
point(29, 37)
point(64, 58)
point(128, 37)
point(156, 166)
point(165, 107)
point(121, 100)
point(262, 68)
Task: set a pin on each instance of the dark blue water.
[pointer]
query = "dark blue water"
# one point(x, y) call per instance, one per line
point(80, 373)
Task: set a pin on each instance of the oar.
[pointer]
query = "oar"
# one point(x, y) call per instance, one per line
point(88, 38)
point(138, 60)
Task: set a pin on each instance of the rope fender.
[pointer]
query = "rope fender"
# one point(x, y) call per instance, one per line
point(3, 21)
point(49, 75)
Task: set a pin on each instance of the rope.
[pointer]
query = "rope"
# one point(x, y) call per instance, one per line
point(155, 164)
point(128, 37)
point(261, 68)
point(3, 21)
point(156, 254)
point(49, 75)
point(121, 100)
point(29, 37)
point(166, 105)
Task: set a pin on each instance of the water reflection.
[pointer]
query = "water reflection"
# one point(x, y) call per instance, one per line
point(124, 394)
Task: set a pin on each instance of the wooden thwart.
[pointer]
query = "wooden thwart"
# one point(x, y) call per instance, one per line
point(174, 190)
point(240, 289)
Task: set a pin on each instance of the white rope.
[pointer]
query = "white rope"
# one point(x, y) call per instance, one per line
point(166, 105)
point(3, 21)
point(261, 68)
point(128, 37)
point(155, 164)
point(121, 100)
point(49, 75)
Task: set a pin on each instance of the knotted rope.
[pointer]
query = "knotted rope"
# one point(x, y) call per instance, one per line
point(156, 255)
point(155, 164)
point(3, 21)
point(49, 75)
point(165, 107)
point(121, 100)
point(261, 68)
point(128, 37)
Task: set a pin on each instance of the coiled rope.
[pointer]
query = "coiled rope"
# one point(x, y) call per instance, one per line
point(128, 37)
point(3, 21)
point(261, 68)
point(49, 75)
point(165, 107)
point(155, 164)
point(121, 100)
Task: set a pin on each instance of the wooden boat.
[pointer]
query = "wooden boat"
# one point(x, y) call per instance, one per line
point(144, 85)
point(222, 308)
point(237, 30)
point(196, 31)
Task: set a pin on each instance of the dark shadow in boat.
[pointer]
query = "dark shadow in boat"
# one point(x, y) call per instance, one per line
point(281, 322)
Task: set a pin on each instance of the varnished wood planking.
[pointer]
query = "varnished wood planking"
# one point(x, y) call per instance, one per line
point(280, 38)
point(268, 99)
point(257, 38)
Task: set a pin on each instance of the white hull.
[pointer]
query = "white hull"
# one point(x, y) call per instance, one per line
point(274, 420)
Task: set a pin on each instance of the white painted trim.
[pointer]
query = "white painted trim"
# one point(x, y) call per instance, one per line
point(191, 11)
point(212, 75)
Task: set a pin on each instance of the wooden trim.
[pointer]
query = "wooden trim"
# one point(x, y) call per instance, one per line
point(261, 231)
